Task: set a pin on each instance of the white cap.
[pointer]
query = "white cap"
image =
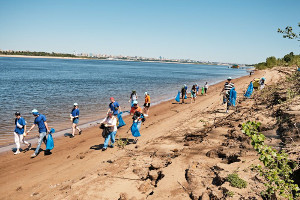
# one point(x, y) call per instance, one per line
point(229, 78)
point(146, 93)
point(134, 102)
point(75, 104)
point(34, 111)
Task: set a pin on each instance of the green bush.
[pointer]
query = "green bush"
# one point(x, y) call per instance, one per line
point(236, 181)
point(276, 170)
point(288, 60)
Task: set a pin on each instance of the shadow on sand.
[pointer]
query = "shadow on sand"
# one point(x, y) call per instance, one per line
point(97, 147)
point(68, 135)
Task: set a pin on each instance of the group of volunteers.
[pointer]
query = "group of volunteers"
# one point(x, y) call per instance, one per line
point(194, 92)
point(258, 83)
point(20, 131)
point(109, 123)
point(228, 92)
point(112, 121)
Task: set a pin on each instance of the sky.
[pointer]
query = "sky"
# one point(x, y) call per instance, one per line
point(235, 31)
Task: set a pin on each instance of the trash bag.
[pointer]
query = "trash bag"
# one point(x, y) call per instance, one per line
point(249, 90)
point(134, 130)
point(185, 97)
point(105, 132)
point(232, 97)
point(202, 92)
point(178, 97)
point(120, 119)
point(50, 142)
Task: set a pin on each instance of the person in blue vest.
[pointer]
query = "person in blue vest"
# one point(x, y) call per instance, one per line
point(75, 119)
point(20, 132)
point(114, 107)
point(40, 121)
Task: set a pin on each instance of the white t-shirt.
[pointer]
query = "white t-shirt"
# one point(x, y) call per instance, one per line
point(111, 121)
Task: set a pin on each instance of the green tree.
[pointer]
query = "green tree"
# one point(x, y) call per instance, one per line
point(289, 33)
point(288, 57)
point(271, 62)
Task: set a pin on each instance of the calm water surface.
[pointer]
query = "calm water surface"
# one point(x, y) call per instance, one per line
point(53, 85)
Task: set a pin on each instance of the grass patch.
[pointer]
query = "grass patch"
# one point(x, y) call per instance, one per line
point(236, 181)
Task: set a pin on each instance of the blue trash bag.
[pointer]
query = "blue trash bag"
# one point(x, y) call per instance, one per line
point(185, 97)
point(178, 97)
point(121, 121)
point(249, 90)
point(232, 97)
point(134, 130)
point(50, 142)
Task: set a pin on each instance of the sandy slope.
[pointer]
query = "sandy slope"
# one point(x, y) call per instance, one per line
point(78, 169)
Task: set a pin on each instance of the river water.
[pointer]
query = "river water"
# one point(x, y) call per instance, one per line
point(53, 85)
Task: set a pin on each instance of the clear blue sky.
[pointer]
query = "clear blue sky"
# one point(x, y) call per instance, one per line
point(242, 31)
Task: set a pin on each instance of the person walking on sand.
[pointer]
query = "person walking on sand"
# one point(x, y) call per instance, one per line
point(183, 93)
point(75, 119)
point(256, 83)
point(193, 93)
point(20, 132)
point(110, 122)
point(138, 118)
point(226, 91)
point(39, 120)
point(262, 83)
point(133, 97)
point(114, 107)
point(205, 88)
point(146, 104)
point(135, 108)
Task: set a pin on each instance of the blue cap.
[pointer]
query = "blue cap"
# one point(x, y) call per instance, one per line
point(35, 112)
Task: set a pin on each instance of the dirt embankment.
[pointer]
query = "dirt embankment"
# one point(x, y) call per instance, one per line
point(186, 152)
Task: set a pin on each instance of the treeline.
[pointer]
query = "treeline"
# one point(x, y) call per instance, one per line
point(34, 53)
point(288, 60)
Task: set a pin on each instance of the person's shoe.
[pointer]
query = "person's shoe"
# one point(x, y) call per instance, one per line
point(103, 149)
point(29, 146)
point(47, 152)
point(145, 115)
point(72, 136)
point(17, 152)
point(33, 155)
point(135, 141)
point(111, 146)
point(80, 132)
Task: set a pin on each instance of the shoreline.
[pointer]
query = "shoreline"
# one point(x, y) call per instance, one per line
point(64, 124)
point(89, 124)
point(108, 59)
point(77, 167)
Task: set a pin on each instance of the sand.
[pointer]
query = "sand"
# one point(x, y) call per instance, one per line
point(161, 166)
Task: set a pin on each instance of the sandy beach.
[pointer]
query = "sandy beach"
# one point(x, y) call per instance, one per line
point(166, 162)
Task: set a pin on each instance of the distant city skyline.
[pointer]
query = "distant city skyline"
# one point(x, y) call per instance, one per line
point(216, 31)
